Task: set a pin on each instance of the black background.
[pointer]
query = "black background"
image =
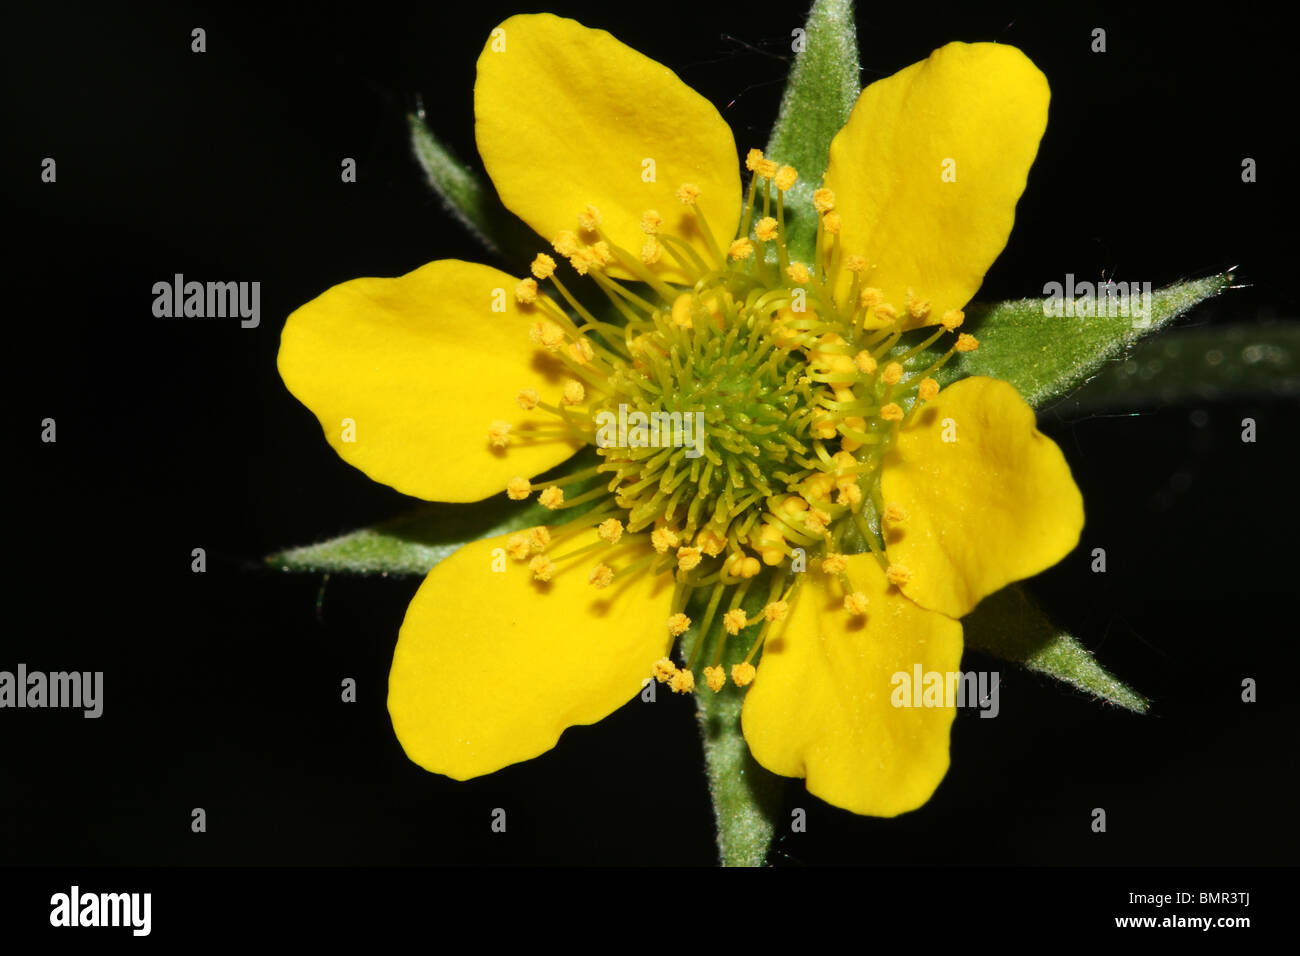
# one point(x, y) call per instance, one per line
point(222, 689)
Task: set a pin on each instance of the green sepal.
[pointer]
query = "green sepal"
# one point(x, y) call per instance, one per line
point(414, 542)
point(1046, 356)
point(469, 196)
point(1011, 626)
point(823, 86)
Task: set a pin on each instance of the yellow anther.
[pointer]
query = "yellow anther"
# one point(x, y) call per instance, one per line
point(663, 538)
point(651, 221)
point(601, 575)
point(663, 669)
point(688, 558)
point(834, 563)
point(499, 434)
point(865, 363)
point(687, 193)
point(546, 334)
point(817, 520)
point(835, 362)
point(600, 253)
point(538, 539)
point(770, 539)
point(526, 291)
point(582, 352)
point(917, 308)
point(856, 603)
point(742, 674)
point(678, 624)
point(734, 621)
point(823, 426)
point(527, 399)
point(886, 312)
point(843, 461)
point(711, 542)
point(785, 178)
point(856, 264)
point(894, 513)
point(850, 494)
point(683, 682)
point(967, 343)
point(543, 568)
point(798, 273)
point(870, 297)
point(753, 158)
point(927, 390)
point(543, 266)
point(565, 242)
point(517, 546)
point(583, 260)
point(952, 319)
point(898, 575)
point(552, 497)
point(767, 168)
point(831, 223)
point(682, 310)
point(589, 219)
point(893, 374)
point(651, 251)
point(823, 199)
point(794, 505)
point(775, 612)
point(715, 677)
point(750, 567)
point(610, 530)
point(518, 489)
point(891, 412)
point(765, 229)
point(574, 393)
point(740, 250)
point(818, 487)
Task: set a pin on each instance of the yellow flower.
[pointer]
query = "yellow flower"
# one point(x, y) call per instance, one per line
point(819, 431)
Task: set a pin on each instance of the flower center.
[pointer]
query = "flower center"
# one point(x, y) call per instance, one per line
point(741, 421)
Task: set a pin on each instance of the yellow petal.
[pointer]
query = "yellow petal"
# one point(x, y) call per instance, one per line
point(566, 116)
point(491, 667)
point(975, 110)
point(994, 504)
point(822, 705)
point(415, 369)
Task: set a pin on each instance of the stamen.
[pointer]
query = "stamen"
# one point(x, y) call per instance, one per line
point(856, 603)
point(715, 677)
point(678, 624)
point(663, 669)
point(542, 567)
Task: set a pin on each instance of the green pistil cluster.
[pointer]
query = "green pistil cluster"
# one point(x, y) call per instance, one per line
point(724, 406)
